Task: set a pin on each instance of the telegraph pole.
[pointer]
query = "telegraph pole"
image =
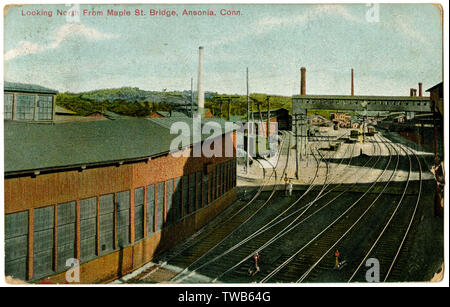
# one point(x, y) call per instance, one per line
point(296, 145)
point(192, 97)
point(248, 127)
point(268, 116)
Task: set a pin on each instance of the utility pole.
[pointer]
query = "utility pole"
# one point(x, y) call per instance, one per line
point(192, 97)
point(268, 116)
point(248, 127)
point(296, 145)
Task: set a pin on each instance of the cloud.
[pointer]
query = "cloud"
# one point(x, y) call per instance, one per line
point(406, 27)
point(267, 24)
point(311, 14)
point(63, 33)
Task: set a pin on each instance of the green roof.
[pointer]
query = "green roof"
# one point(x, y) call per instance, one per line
point(172, 114)
point(62, 110)
point(37, 146)
point(113, 115)
point(27, 88)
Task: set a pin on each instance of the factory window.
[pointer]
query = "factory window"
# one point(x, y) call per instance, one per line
point(138, 214)
point(8, 106)
point(217, 183)
point(45, 107)
point(219, 180)
point(227, 176)
point(185, 195)
point(16, 244)
point(150, 208)
point(199, 190)
point(192, 193)
point(210, 186)
point(88, 228)
point(213, 184)
point(230, 172)
point(25, 107)
point(224, 177)
point(160, 193)
point(205, 190)
point(228, 168)
point(66, 233)
point(43, 241)
point(177, 199)
point(123, 218)
point(233, 166)
point(106, 223)
point(169, 202)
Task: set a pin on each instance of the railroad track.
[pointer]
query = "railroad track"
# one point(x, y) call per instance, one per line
point(236, 234)
point(219, 228)
point(189, 257)
point(395, 233)
point(394, 239)
point(269, 236)
point(297, 261)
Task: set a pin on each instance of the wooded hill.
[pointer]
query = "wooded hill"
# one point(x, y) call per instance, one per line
point(136, 102)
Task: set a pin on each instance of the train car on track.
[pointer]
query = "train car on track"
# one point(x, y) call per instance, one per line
point(354, 133)
point(370, 131)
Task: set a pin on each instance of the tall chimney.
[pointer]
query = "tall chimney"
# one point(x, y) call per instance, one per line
point(200, 93)
point(353, 86)
point(411, 92)
point(303, 81)
point(420, 89)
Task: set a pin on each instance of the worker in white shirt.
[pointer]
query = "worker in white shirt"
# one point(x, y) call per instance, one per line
point(290, 187)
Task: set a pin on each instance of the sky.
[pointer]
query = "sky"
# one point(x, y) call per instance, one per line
point(391, 48)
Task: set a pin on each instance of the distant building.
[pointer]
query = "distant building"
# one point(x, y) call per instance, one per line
point(28, 102)
point(163, 114)
point(341, 119)
point(437, 107)
point(317, 120)
point(437, 98)
point(187, 110)
point(278, 116)
point(97, 115)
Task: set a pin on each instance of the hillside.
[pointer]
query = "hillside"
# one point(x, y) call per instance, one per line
point(132, 101)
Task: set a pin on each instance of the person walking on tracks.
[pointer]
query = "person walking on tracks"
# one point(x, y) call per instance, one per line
point(286, 185)
point(336, 254)
point(256, 265)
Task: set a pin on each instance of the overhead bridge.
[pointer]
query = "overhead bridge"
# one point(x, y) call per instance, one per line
point(302, 103)
point(361, 103)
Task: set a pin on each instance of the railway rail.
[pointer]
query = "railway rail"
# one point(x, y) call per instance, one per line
point(297, 248)
point(263, 229)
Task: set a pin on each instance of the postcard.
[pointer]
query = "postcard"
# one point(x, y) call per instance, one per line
point(227, 143)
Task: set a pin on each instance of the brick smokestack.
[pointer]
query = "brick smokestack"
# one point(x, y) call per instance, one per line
point(411, 92)
point(353, 85)
point(303, 81)
point(420, 89)
point(200, 93)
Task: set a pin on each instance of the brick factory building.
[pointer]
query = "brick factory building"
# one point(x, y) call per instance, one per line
point(342, 119)
point(107, 193)
point(278, 118)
